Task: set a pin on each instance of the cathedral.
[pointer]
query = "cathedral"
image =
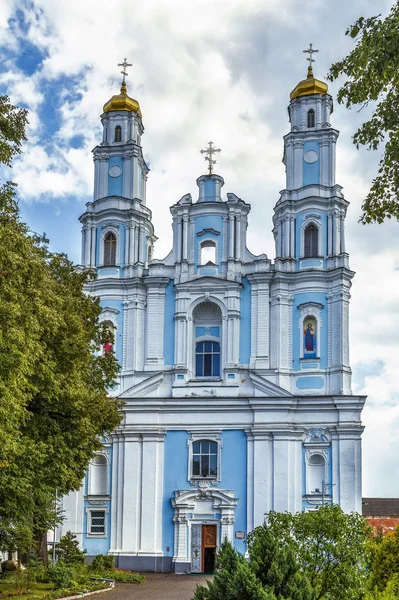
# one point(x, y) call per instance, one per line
point(235, 370)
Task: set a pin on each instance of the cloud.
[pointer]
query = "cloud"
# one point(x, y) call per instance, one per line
point(205, 70)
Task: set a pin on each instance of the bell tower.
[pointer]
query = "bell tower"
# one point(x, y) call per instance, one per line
point(117, 232)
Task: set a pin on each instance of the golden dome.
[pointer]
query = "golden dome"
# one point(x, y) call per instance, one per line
point(122, 102)
point(309, 86)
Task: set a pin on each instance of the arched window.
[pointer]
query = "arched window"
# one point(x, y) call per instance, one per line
point(207, 359)
point(205, 459)
point(118, 134)
point(311, 118)
point(109, 250)
point(98, 476)
point(311, 245)
point(208, 252)
point(316, 473)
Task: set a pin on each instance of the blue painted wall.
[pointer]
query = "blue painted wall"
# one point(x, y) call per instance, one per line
point(169, 325)
point(311, 171)
point(208, 222)
point(115, 183)
point(97, 545)
point(233, 472)
point(118, 305)
point(245, 323)
point(297, 336)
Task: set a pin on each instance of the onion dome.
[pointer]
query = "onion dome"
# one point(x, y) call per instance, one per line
point(122, 102)
point(309, 86)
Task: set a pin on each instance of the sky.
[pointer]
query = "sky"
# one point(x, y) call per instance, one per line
point(219, 70)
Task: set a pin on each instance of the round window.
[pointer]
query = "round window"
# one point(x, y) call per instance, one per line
point(311, 156)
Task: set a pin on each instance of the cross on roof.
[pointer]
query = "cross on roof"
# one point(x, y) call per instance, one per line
point(209, 152)
point(124, 64)
point(310, 58)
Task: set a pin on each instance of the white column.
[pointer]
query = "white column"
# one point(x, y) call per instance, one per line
point(250, 481)
point(238, 237)
point(151, 493)
point(127, 183)
point(191, 241)
point(87, 245)
point(281, 487)
point(263, 476)
point(287, 237)
point(132, 492)
point(225, 238)
point(292, 237)
point(342, 229)
point(93, 245)
point(139, 330)
point(180, 538)
point(260, 320)
point(103, 179)
point(83, 249)
point(136, 243)
point(227, 529)
point(298, 164)
point(231, 236)
point(96, 178)
point(131, 244)
point(127, 243)
point(330, 235)
point(185, 227)
point(155, 321)
point(117, 515)
point(179, 239)
point(180, 343)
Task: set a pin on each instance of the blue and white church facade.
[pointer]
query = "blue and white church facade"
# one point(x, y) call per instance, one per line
point(234, 368)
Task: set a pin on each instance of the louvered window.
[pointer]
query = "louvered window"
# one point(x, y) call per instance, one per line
point(97, 522)
point(109, 250)
point(311, 241)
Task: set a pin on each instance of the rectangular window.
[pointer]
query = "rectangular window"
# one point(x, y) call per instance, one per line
point(96, 522)
point(205, 459)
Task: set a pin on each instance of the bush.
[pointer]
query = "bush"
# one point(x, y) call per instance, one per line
point(61, 575)
point(122, 576)
point(103, 562)
point(68, 550)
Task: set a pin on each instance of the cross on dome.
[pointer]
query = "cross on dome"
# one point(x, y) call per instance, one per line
point(209, 152)
point(310, 58)
point(124, 64)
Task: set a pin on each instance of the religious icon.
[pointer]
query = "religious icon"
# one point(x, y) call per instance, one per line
point(107, 347)
point(309, 337)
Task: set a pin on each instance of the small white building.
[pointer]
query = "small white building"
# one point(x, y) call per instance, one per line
point(235, 367)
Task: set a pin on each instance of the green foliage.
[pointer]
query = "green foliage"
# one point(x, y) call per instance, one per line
point(120, 575)
point(384, 562)
point(68, 550)
point(103, 562)
point(371, 72)
point(54, 381)
point(61, 575)
point(233, 579)
point(318, 555)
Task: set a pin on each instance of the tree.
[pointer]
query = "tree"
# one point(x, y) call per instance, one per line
point(384, 561)
point(68, 550)
point(54, 381)
point(371, 71)
point(318, 555)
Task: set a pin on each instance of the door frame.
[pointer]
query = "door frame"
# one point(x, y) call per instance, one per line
point(202, 522)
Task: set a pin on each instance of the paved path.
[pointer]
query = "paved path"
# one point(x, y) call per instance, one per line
point(159, 586)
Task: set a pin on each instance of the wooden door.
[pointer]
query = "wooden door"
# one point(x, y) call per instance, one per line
point(208, 548)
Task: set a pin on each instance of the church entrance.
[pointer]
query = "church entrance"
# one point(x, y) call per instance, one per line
point(203, 548)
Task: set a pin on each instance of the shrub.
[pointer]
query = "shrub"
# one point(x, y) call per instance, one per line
point(103, 562)
point(68, 550)
point(61, 575)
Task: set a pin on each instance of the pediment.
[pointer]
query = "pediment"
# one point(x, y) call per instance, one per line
point(263, 387)
point(144, 388)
